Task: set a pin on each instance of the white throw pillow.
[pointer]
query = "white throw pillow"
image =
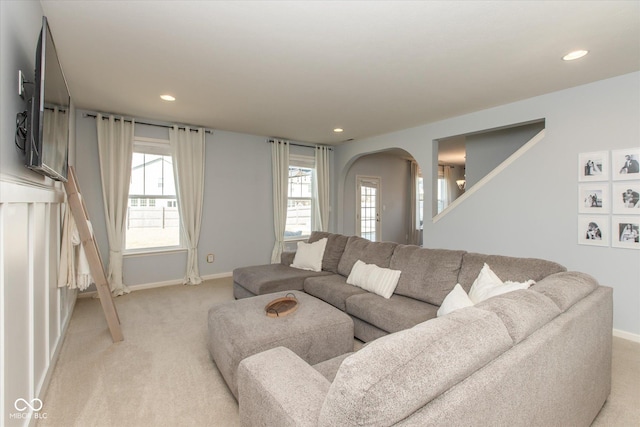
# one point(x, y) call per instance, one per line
point(359, 274)
point(488, 285)
point(454, 300)
point(309, 255)
point(370, 277)
point(508, 287)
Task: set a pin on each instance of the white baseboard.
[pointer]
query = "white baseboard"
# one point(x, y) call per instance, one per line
point(626, 335)
point(143, 286)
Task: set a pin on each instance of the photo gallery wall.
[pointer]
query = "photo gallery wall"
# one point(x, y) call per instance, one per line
point(609, 198)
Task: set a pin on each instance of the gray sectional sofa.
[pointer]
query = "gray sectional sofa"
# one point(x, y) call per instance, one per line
point(428, 275)
point(540, 356)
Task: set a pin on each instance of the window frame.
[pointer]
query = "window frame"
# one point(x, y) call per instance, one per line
point(305, 162)
point(374, 182)
point(160, 147)
point(419, 200)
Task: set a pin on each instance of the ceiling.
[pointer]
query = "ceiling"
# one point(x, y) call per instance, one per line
point(299, 69)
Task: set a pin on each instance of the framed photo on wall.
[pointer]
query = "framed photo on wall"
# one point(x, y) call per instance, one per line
point(626, 164)
point(594, 198)
point(626, 198)
point(626, 232)
point(593, 230)
point(593, 166)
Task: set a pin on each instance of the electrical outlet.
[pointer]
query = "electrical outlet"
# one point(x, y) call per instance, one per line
point(210, 258)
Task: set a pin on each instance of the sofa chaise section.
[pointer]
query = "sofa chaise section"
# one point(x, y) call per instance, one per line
point(269, 278)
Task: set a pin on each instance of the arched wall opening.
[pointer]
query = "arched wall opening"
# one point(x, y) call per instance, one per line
point(398, 211)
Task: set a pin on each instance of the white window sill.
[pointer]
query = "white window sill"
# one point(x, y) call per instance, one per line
point(153, 251)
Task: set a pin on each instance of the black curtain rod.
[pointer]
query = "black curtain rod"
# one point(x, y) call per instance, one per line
point(144, 123)
point(271, 141)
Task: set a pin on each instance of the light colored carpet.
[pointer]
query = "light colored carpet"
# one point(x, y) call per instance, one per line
point(161, 374)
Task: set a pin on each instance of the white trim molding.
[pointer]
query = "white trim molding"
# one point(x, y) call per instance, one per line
point(34, 312)
point(626, 335)
point(143, 286)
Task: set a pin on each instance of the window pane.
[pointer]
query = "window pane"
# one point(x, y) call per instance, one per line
point(137, 174)
point(155, 223)
point(153, 220)
point(368, 206)
point(152, 174)
point(298, 218)
point(300, 203)
point(420, 198)
point(442, 194)
point(300, 182)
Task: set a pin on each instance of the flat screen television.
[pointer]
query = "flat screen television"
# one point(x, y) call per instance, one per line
point(47, 144)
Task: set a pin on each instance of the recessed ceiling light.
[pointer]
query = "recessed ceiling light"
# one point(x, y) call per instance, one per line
point(167, 97)
point(338, 130)
point(576, 54)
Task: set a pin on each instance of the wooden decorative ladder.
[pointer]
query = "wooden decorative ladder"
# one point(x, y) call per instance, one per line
point(81, 216)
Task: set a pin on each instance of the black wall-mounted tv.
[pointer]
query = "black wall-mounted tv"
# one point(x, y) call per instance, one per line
point(47, 144)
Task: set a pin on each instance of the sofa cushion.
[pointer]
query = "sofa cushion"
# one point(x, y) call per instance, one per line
point(522, 312)
point(333, 251)
point(394, 376)
point(286, 257)
point(391, 315)
point(329, 368)
point(265, 279)
point(507, 268)
point(566, 288)
point(427, 274)
point(357, 248)
point(332, 288)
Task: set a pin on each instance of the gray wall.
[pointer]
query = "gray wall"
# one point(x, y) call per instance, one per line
point(34, 313)
point(20, 30)
point(530, 209)
point(485, 151)
point(394, 193)
point(237, 225)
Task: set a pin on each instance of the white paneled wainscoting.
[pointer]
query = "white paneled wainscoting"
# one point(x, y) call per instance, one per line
point(35, 312)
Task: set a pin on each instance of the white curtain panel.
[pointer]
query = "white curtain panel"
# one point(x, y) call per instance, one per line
point(280, 172)
point(323, 186)
point(414, 231)
point(188, 149)
point(115, 147)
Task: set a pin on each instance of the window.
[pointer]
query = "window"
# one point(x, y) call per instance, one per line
point(368, 207)
point(420, 200)
point(301, 202)
point(153, 220)
point(443, 193)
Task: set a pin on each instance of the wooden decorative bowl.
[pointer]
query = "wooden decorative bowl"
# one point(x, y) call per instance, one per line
point(281, 307)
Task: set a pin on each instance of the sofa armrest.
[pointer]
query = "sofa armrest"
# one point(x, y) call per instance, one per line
point(276, 387)
point(286, 258)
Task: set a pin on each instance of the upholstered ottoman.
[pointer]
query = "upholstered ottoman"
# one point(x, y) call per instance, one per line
point(316, 331)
